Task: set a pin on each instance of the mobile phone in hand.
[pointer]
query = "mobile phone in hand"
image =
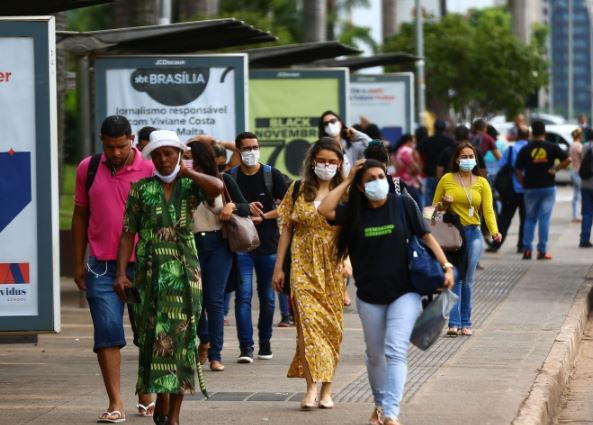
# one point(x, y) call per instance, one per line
point(132, 295)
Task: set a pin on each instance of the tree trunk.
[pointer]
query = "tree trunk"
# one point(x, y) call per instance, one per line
point(389, 19)
point(330, 33)
point(314, 16)
point(189, 9)
point(133, 13)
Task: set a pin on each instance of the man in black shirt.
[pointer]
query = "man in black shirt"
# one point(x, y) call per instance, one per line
point(535, 170)
point(431, 149)
point(262, 186)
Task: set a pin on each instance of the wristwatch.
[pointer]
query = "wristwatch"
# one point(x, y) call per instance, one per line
point(447, 266)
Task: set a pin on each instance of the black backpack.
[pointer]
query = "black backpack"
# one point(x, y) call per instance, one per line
point(503, 182)
point(586, 170)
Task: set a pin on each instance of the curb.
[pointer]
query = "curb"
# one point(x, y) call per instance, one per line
point(541, 405)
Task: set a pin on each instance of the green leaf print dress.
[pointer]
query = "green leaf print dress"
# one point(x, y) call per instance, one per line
point(167, 275)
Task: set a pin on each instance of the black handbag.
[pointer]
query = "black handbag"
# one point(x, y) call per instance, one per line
point(288, 256)
point(503, 182)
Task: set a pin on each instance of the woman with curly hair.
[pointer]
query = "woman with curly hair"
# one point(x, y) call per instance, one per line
point(316, 281)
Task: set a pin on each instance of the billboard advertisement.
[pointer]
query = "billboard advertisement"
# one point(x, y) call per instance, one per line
point(29, 252)
point(191, 95)
point(284, 111)
point(385, 100)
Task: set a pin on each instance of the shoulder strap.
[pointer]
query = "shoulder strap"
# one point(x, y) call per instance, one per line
point(234, 171)
point(398, 190)
point(400, 210)
point(510, 158)
point(92, 171)
point(268, 181)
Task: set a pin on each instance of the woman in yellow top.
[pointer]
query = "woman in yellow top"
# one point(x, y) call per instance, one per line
point(316, 284)
point(465, 193)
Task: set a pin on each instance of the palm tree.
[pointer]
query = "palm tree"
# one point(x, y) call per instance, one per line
point(314, 13)
point(188, 9)
point(132, 13)
point(389, 18)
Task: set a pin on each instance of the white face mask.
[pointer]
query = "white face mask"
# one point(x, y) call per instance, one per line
point(324, 172)
point(376, 190)
point(250, 158)
point(333, 129)
point(169, 178)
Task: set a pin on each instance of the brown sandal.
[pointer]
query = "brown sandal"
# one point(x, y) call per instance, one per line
point(466, 332)
point(376, 416)
point(452, 332)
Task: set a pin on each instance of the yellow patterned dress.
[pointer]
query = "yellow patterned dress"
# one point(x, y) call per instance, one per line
point(316, 288)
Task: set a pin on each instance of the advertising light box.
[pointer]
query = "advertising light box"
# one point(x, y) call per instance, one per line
point(385, 100)
point(191, 95)
point(29, 242)
point(284, 111)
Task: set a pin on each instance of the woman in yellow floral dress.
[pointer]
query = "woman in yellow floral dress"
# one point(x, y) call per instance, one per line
point(316, 283)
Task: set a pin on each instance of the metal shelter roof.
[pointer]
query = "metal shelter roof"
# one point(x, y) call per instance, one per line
point(370, 61)
point(43, 7)
point(293, 54)
point(184, 37)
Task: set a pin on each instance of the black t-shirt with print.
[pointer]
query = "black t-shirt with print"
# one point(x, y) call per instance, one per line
point(254, 189)
point(378, 250)
point(535, 159)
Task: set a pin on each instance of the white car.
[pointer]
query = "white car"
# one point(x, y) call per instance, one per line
point(560, 134)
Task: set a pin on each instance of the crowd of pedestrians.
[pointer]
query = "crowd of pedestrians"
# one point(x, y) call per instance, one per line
point(155, 217)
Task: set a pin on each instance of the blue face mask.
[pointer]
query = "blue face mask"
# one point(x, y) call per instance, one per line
point(467, 164)
point(376, 190)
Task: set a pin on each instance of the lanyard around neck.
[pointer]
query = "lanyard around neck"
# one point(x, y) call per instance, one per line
point(469, 195)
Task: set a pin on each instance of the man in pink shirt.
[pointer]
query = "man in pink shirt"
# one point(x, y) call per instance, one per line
point(97, 220)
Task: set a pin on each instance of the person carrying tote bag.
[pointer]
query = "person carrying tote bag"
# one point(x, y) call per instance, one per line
point(465, 193)
point(215, 258)
point(387, 303)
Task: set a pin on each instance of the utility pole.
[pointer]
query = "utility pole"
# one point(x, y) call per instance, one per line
point(420, 65)
point(570, 81)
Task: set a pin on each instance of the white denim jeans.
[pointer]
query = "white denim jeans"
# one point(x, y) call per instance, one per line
point(387, 329)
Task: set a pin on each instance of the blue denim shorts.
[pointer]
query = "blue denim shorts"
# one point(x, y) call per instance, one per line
point(106, 307)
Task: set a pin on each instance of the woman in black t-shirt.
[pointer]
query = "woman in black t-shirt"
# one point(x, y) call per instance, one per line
point(373, 236)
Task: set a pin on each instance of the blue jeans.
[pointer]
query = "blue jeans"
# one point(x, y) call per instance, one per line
point(587, 213)
point(264, 269)
point(461, 315)
point(387, 329)
point(107, 309)
point(284, 306)
point(538, 209)
point(576, 191)
point(430, 184)
point(215, 262)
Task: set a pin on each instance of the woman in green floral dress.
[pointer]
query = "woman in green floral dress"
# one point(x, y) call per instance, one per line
point(167, 274)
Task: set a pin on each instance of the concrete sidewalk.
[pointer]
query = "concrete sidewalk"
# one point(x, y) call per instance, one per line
point(520, 308)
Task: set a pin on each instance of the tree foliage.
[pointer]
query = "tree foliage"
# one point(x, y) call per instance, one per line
point(475, 64)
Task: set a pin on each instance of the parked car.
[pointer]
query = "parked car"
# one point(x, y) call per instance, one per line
point(560, 134)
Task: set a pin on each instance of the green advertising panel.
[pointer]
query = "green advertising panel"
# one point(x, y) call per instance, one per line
point(284, 111)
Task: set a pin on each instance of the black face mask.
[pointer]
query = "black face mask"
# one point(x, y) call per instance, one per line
point(221, 168)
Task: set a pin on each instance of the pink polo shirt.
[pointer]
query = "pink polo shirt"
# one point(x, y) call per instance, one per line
point(108, 195)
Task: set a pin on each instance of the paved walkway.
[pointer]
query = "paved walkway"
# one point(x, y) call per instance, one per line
point(519, 309)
